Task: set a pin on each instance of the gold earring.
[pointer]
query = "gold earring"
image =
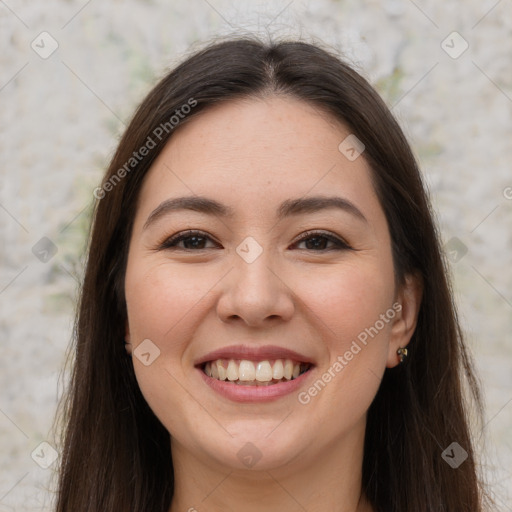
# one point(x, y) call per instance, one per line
point(402, 354)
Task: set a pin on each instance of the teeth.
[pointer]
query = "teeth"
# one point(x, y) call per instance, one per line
point(221, 370)
point(288, 369)
point(263, 371)
point(249, 373)
point(232, 372)
point(278, 370)
point(246, 371)
point(214, 369)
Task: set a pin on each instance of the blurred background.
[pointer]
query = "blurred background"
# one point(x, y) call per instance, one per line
point(72, 73)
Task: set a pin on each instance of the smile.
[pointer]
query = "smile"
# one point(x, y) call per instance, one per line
point(245, 372)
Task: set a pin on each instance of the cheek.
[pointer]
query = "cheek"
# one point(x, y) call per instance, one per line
point(348, 306)
point(161, 300)
point(164, 305)
point(348, 299)
point(352, 308)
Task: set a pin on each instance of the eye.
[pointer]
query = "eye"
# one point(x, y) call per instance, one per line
point(196, 240)
point(191, 239)
point(317, 241)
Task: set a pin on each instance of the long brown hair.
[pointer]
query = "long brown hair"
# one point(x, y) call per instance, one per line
point(115, 452)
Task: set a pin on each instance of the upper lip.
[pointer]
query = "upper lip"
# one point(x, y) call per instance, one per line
point(252, 353)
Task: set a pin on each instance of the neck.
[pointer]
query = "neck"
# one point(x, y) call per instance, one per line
point(329, 481)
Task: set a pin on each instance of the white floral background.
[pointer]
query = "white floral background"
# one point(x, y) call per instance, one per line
point(61, 115)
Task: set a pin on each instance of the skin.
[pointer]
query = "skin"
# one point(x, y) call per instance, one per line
point(251, 155)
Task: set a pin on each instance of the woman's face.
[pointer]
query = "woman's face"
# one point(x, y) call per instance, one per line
point(248, 289)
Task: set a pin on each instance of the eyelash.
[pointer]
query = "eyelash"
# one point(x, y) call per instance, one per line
point(170, 243)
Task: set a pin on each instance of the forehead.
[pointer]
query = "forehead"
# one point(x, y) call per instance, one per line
point(257, 152)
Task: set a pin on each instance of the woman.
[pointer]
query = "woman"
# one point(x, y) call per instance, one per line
point(265, 321)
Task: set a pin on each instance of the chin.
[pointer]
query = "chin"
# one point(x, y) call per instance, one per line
point(256, 446)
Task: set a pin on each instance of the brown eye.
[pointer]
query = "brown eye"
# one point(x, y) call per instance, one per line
point(317, 241)
point(192, 240)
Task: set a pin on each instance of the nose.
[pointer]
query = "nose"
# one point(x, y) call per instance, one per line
point(254, 293)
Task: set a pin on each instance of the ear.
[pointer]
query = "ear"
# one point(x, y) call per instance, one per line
point(409, 297)
point(127, 339)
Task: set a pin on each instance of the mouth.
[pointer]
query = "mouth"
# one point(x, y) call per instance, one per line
point(249, 373)
point(245, 372)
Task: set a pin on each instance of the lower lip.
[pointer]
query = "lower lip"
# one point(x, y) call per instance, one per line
point(240, 393)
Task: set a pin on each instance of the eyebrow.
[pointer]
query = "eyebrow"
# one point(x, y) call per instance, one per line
point(288, 208)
